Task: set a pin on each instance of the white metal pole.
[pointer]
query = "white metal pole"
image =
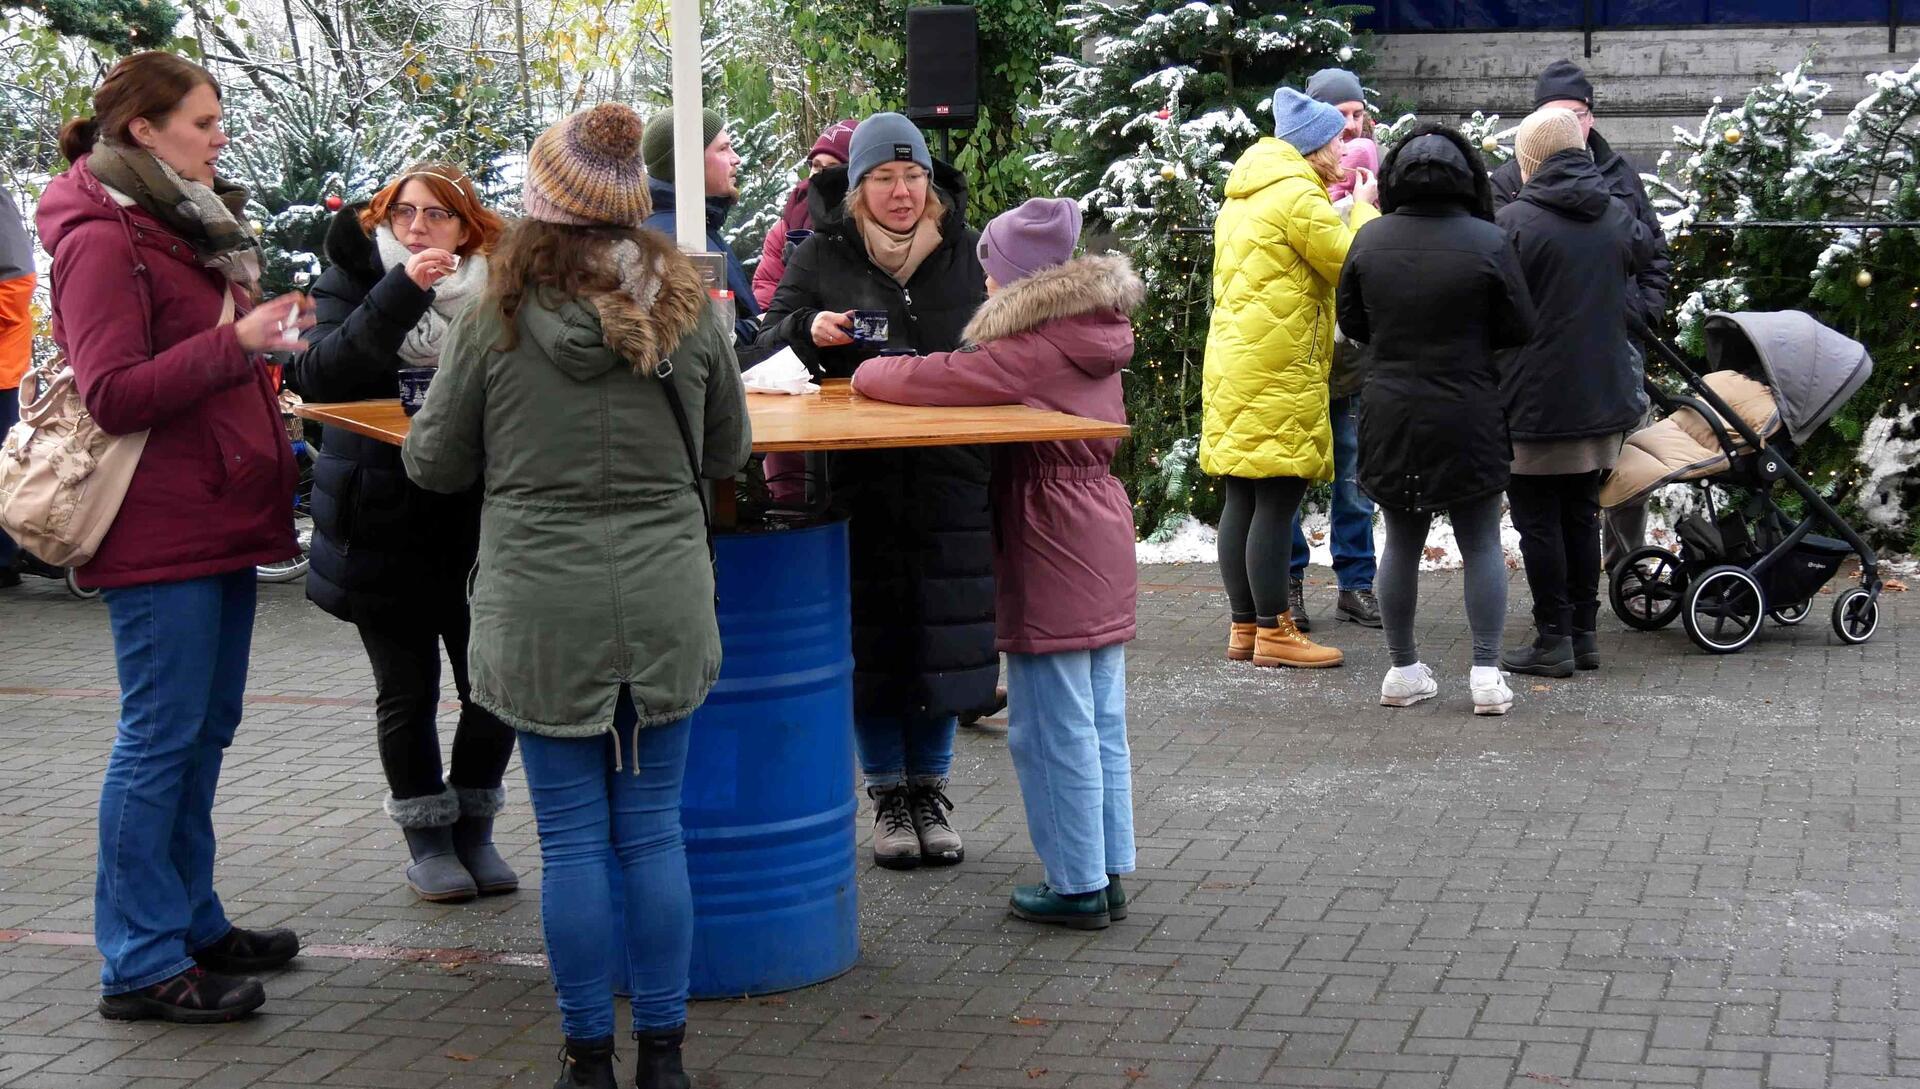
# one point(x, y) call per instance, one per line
point(689, 157)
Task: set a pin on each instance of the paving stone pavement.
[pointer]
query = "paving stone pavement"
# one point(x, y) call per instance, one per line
point(1682, 871)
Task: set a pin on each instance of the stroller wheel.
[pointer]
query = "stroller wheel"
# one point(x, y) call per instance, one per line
point(1856, 616)
point(1646, 588)
point(1788, 615)
point(1722, 610)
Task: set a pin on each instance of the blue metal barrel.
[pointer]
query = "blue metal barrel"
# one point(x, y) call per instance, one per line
point(769, 804)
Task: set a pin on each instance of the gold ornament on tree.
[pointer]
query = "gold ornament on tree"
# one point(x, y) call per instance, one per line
point(1733, 136)
point(1863, 278)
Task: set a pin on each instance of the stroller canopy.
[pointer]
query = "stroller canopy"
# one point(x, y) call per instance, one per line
point(1812, 369)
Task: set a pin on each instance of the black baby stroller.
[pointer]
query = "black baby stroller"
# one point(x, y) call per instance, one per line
point(1770, 373)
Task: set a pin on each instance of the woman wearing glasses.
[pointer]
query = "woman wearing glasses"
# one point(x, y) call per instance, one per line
point(890, 235)
point(387, 556)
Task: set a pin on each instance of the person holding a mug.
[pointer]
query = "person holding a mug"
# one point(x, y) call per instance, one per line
point(392, 558)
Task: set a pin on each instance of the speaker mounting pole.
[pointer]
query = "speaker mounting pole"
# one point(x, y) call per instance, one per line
point(946, 153)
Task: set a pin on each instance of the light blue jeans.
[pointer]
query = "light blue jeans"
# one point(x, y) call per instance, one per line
point(582, 806)
point(181, 649)
point(1067, 733)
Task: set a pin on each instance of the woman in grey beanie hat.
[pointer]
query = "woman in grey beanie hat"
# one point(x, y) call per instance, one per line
point(890, 237)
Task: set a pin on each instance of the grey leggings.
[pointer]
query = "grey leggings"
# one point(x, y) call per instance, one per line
point(1476, 528)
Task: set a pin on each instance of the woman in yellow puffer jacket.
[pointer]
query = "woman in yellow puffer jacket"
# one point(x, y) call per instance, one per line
point(1278, 248)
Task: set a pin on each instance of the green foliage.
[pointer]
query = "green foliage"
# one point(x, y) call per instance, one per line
point(1766, 159)
point(124, 26)
point(861, 46)
point(1144, 128)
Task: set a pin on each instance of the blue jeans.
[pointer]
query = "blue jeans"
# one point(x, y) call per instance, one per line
point(181, 650)
point(9, 415)
point(1067, 733)
point(583, 805)
point(1352, 513)
point(896, 749)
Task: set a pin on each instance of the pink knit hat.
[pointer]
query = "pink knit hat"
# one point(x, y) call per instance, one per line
point(835, 140)
point(1361, 152)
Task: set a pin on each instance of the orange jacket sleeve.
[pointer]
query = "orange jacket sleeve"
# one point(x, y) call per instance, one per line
point(16, 329)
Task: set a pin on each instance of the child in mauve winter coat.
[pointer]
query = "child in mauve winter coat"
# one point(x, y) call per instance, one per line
point(1054, 335)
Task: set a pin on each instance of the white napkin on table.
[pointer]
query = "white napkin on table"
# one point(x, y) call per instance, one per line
point(781, 372)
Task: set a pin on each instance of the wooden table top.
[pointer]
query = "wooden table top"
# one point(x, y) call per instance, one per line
point(836, 418)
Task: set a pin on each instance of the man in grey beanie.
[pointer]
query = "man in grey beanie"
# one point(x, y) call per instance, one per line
point(1565, 85)
point(1350, 514)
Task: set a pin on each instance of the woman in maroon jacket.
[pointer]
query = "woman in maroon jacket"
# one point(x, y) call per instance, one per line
point(152, 262)
point(1055, 335)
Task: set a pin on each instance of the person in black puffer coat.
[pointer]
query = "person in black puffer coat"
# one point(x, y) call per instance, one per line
point(392, 558)
point(1573, 393)
point(919, 526)
point(1563, 84)
point(1434, 290)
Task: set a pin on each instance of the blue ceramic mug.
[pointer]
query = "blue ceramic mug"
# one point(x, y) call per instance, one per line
point(413, 388)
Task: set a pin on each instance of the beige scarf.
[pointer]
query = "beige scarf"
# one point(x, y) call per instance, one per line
point(900, 254)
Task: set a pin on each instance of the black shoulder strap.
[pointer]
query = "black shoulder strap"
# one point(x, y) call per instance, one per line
point(665, 373)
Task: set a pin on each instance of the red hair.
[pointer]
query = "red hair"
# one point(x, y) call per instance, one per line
point(452, 188)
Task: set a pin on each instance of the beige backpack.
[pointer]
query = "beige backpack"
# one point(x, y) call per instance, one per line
point(62, 479)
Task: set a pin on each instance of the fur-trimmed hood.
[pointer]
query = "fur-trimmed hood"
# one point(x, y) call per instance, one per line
point(1095, 284)
point(349, 246)
point(636, 327)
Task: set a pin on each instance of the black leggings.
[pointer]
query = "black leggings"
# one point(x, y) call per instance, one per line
point(1256, 545)
point(1558, 518)
point(406, 682)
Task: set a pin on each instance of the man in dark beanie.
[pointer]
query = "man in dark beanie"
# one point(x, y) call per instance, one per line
point(721, 190)
point(1563, 84)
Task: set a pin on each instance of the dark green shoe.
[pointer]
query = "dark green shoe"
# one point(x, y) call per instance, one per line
point(1040, 904)
point(1116, 898)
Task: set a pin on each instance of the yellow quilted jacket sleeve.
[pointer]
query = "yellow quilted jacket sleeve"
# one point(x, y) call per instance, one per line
point(1278, 248)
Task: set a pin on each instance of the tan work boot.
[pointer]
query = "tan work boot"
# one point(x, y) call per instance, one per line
point(1240, 643)
point(1283, 645)
point(939, 843)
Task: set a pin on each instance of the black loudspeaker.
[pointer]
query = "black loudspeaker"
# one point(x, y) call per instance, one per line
point(943, 65)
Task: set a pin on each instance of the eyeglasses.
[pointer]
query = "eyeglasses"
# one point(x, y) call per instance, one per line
point(912, 179)
point(402, 214)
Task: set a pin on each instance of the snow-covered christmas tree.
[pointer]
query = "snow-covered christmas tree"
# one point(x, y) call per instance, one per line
point(1148, 119)
point(1767, 160)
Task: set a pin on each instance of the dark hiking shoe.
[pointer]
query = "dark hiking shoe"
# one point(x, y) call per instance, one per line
point(659, 1065)
point(194, 997)
point(242, 952)
point(1116, 898)
point(1040, 904)
point(1546, 656)
point(1586, 650)
point(587, 1064)
point(1359, 606)
point(1297, 605)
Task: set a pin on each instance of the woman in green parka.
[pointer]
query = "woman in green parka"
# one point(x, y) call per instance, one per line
point(594, 633)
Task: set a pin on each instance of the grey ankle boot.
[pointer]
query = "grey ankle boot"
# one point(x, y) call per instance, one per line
point(473, 840)
point(928, 803)
point(436, 873)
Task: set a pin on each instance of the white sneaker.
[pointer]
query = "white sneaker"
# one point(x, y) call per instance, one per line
point(1408, 685)
point(1491, 696)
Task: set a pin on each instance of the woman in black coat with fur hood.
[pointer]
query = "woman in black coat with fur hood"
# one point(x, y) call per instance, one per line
point(1435, 291)
point(387, 556)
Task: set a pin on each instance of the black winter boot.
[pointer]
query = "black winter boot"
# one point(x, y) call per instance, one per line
point(435, 873)
point(659, 1064)
point(1549, 655)
point(1586, 639)
point(587, 1064)
point(1297, 604)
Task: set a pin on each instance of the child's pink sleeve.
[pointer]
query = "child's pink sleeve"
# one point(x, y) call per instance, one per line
point(984, 375)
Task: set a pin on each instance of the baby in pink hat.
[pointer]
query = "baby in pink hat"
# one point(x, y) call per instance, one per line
point(1361, 153)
